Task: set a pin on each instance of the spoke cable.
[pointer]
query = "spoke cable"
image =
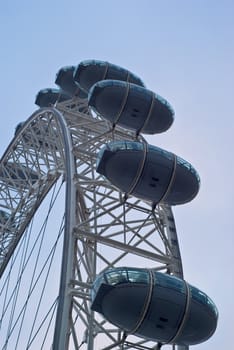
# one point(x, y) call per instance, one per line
point(33, 248)
point(35, 283)
point(45, 282)
point(16, 290)
point(22, 268)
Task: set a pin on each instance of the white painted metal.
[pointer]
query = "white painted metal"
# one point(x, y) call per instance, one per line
point(104, 227)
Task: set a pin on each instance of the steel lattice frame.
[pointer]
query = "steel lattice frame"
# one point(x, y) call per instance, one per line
point(103, 227)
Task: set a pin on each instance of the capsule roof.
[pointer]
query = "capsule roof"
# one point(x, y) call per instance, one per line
point(89, 72)
point(131, 106)
point(48, 97)
point(148, 172)
point(154, 306)
point(64, 79)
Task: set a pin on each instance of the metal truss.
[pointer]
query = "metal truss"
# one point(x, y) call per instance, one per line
point(103, 227)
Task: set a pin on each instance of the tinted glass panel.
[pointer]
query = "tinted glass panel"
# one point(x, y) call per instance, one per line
point(162, 100)
point(138, 276)
point(165, 153)
point(212, 305)
point(169, 281)
point(187, 165)
point(98, 281)
point(119, 145)
point(201, 297)
point(127, 275)
point(114, 277)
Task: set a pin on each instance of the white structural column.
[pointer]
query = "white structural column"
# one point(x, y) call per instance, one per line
point(62, 326)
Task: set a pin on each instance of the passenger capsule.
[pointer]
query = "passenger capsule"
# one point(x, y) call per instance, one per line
point(4, 217)
point(131, 106)
point(89, 72)
point(64, 79)
point(6, 222)
point(19, 127)
point(48, 97)
point(154, 306)
point(148, 172)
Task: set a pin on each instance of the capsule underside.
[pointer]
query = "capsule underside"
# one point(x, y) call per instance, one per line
point(153, 174)
point(131, 106)
point(172, 315)
point(90, 72)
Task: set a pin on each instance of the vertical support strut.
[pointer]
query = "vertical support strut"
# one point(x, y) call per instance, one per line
point(177, 268)
point(61, 334)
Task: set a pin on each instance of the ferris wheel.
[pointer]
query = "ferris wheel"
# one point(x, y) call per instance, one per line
point(89, 254)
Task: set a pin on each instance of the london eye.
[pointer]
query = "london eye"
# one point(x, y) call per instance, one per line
point(89, 253)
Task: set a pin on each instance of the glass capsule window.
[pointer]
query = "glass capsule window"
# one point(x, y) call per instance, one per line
point(168, 281)
point(119, 146)
point(138, 276)
point(4, 216)
point(138, 88)
point(139, 146)
point(122, 145)
point(165, 102)
point(98, 63)
point(98, 281)
point(202, 298)
point(115, 277)
point(165, 153)
point(100, 154)
point(67, 68)
point(104, 83)
point(198, 295)
point(187, 165)
point(126, 275)
point(212, 305)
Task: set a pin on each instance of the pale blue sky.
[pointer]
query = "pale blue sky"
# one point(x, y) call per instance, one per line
point(184, 51)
